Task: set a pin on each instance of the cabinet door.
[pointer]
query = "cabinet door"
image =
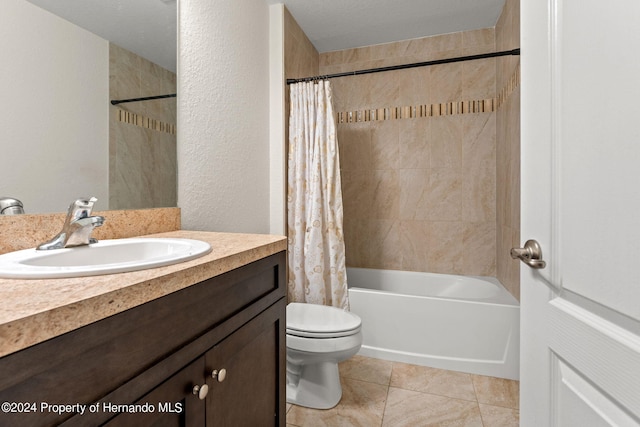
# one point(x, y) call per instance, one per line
point(173, 403)
point(251, 392)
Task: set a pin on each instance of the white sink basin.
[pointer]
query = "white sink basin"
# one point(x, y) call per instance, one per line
point(104, 257)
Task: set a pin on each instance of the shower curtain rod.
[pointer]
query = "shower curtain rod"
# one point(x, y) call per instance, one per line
point(404, 66)
point(148, 98)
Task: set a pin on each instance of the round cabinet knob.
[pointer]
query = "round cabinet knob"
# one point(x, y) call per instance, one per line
point(201, 391)
point(219, 375)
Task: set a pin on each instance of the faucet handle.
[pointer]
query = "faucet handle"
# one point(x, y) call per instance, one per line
point(81, 208)
point(85, 202)
point(77, 227)
point(10, 206)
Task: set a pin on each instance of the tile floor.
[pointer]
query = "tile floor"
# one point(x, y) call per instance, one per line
point(382, 393)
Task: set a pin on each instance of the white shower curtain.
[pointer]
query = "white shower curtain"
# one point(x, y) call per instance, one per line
point(317, 272)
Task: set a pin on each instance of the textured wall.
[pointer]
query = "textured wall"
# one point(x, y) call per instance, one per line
point(223, 115)
point(277, 122)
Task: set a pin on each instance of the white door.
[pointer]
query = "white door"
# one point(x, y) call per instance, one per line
point(581, 201)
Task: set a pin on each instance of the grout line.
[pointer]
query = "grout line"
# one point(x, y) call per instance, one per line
point(475, 392)
point(481, 418)
point(386, 400)
point(473, 384)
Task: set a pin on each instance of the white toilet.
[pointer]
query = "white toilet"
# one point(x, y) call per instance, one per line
point(318, 338)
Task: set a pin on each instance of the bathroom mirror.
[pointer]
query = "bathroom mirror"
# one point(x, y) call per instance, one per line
point(62, 137)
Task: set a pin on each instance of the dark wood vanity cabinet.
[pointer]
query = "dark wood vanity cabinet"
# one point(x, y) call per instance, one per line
point(149, 365)
point(172, 402)
point(244, 391)
point(246, 358)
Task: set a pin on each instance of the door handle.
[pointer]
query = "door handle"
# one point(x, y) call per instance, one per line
point(531, 254)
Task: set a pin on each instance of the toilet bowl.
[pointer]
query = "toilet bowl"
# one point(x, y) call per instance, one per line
point(318, 338)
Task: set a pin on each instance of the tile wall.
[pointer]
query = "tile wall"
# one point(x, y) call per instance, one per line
point(508, 152)
point(437, 193)
point(142, 140)
point(301, 58)
point(419, 193)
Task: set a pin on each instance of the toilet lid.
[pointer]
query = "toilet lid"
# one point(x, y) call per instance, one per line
point(320, 321)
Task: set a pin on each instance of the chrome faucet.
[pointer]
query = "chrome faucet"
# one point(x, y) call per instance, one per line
point(10, 206)
point(77, 227)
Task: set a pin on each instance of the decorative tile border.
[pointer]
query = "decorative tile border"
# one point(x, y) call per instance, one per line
point(145, 122)
point(507, 90)
point(415, 111)
point(434, 110)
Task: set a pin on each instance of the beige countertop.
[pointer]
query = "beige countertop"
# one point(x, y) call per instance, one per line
point(32, 311)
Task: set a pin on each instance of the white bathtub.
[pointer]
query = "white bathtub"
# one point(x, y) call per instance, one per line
point(460, 323)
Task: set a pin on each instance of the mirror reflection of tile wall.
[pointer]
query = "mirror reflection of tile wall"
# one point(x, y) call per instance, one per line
point(142, 139)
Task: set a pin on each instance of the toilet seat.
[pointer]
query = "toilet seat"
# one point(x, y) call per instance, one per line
point(324, 345)
point(319, 321)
